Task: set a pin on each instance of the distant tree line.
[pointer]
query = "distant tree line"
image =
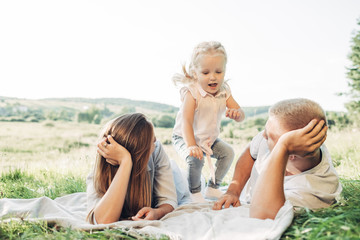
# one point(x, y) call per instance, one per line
point(164, 121)
point(15, 112)
point(19, 113)
point(124, 102)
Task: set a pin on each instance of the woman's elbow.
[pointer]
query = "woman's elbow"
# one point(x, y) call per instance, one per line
point(263, 213)
point(103, 219)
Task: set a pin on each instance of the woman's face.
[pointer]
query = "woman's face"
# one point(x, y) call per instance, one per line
point(153, 144)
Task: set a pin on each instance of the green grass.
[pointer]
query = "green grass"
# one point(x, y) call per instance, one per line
point(340, 221)
point(41, 230)
point(18, 184)
point(53, 159)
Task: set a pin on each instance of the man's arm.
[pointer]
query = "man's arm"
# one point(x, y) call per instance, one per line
point(241, 174)
point(268, 196)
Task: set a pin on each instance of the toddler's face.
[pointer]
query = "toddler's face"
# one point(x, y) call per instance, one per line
point(210, 72)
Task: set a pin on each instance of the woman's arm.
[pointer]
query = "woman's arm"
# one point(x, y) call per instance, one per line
point(164, 191)
point(148, 213)
point(269, 195)
point(109, 208)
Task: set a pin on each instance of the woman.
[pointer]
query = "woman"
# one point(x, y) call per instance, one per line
point(132, 178)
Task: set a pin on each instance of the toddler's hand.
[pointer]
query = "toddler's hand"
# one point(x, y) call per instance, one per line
point(195, 151)
point(235, 114)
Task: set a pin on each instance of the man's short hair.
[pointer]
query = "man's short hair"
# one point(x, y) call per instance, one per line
point(297, 113)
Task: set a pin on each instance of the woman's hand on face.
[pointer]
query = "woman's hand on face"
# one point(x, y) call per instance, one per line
point(147, 213)
point(195, 151)
point(306, 140)
point(113, 152)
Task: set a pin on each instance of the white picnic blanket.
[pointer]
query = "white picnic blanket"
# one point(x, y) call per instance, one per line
point(190, 221)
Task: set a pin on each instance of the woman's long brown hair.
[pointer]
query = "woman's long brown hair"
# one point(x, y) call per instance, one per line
point(134, 133)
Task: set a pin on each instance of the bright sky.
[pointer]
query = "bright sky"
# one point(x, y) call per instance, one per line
point(130, 49)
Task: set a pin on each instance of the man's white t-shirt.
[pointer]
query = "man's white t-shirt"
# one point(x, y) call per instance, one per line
point(315, 188)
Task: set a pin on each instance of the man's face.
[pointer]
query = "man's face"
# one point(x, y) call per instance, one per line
point(273, 131)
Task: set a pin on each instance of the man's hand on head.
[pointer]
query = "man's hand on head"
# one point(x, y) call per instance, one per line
point(305, 141)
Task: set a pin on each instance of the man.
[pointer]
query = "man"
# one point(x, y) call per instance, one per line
point(285, 161)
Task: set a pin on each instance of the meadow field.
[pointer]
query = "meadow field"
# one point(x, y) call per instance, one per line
point(53, 158)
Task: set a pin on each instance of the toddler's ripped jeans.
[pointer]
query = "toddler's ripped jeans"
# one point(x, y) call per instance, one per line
point(223, 153)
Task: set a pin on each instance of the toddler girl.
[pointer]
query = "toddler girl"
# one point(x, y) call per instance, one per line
point(205, 98)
